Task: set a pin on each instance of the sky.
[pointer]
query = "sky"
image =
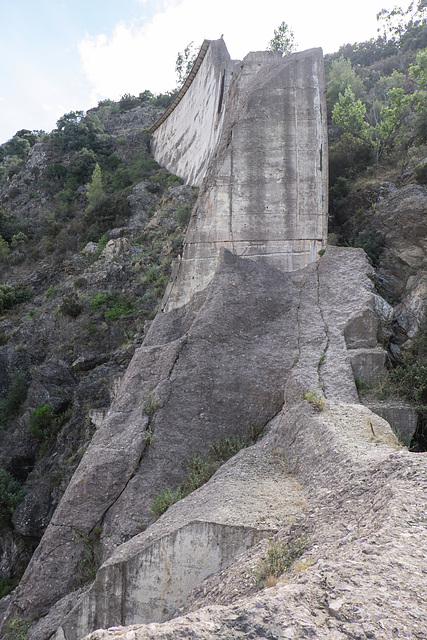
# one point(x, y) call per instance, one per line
point(58, 56)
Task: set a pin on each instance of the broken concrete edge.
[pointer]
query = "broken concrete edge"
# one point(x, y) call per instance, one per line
point(183, 90)
point(144, 588)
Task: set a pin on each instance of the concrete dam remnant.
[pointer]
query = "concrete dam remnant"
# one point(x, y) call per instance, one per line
point(253, 135)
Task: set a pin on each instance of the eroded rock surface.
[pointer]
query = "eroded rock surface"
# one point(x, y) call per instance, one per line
point(363, 575)
point(244, 352)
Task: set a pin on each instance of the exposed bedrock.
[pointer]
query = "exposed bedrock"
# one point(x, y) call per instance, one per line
point(254, 339)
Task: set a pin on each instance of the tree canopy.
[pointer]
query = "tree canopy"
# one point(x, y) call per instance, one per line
point(283, 40)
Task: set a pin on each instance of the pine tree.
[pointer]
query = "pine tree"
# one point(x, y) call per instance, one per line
point(94, 189)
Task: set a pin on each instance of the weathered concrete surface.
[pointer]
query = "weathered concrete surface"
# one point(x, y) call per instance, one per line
point(369, 365)
point(150, 585)
point(185, 142)
point(255, 338)
point(363, 575)
point(265, 192)
point(401, 416)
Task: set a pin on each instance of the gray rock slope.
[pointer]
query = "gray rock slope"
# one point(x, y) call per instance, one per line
point(244, 351)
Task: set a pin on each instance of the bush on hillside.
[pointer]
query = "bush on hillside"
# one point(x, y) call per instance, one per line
point(11, 494)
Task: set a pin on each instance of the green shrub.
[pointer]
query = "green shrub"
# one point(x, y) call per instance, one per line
point(6, 586)
point(201, 468)
point(279, 557)
point(163, 100)
point(15, 396)
point(372, 243)
point(9, 225)
point(183, 214)
point(18, 239)
point(71, 305)
point(409, 378)
point(82, 165)
point(16, 629)
point(128, 102)
point(114, 306)
point(349, 156)
point(4, 249)
point(420, 172)
point(227, 448)
point(165, 499)
point(11, 494)
point(42, 422)
point(55, 171)
point(88, 563)
point(49, 291)
point(10, 296)
point(362, 387)
point(150, 275)
point(119, 308)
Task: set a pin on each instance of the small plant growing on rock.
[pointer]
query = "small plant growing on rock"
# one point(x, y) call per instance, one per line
point(149, 437)
point(16, 629)
point(362, 387)
point(165, 499)
point(279, 557)
point(227, 447)
point(316, 401)
point(201, 468)
point(15, 396)
point(11, 494)
point(88, 563)
point(42, 422)
point(150, 405)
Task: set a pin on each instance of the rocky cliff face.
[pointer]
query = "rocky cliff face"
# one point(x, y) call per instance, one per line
point(259, 345)
point(85, 309)
point(317, 529)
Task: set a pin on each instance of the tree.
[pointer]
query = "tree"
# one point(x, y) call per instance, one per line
point(391, 119)
point(350, 114)
point(4, 249)
point(398, 21)
point(283, 40)
point(94, 190)
point(82, 164)
point(184, 61)
point(340, 76)
point(419, 69)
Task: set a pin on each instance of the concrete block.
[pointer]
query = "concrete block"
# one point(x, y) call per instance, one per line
point(369, 365)
point(155, 582)
point(402, 418)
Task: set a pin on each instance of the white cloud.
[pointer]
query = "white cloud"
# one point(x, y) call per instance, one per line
point(138, 57)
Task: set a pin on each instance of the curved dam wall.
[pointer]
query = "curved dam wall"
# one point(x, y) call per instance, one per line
point(254, 134)
point(187, 134)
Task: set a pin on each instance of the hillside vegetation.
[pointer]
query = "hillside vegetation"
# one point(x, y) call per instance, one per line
point(89, 226)
point(377, 111)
